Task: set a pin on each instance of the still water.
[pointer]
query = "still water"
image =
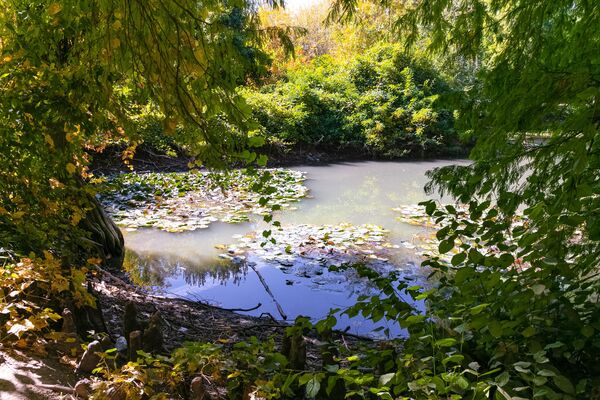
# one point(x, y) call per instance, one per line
point(189, 265)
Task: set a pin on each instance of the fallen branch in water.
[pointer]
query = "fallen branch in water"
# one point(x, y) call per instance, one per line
point(243, 309)
point(264, 283)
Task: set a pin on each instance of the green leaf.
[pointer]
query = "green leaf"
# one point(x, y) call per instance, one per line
point(447, 342)
point(522, 366)
point(495, 329)
point(303, 380)
point(430, 206)
point(564, 384)
point(506, 260)
point(262, 160)
point(458, 258)
point(462, 382)
point(587, 331)
point(540, 380)
point(331, 381)
point(529, 331)
point(455, 358)
point(386, 378)
point(445, 246)
point(538, 289)
point(478, 309)
point(502, 379)
point(256, 141)
point(312, 388)
point(463, 274)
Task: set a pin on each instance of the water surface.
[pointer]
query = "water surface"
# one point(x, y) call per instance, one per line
point(188, 264)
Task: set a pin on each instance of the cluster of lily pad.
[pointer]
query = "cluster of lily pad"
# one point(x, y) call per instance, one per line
point(427, 243)
point(309, 251)
point(186, 201)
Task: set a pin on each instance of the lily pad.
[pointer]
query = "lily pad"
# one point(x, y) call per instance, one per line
point(177, 202)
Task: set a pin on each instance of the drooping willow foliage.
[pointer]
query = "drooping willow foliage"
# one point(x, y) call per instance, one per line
point(69, 71)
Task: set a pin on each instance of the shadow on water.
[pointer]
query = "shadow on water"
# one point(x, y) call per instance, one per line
point(299, 289)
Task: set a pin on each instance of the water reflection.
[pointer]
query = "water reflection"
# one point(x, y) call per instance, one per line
point(154, 273)
point(188, 264)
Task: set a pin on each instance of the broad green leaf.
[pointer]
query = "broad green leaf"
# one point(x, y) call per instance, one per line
point(312, 388)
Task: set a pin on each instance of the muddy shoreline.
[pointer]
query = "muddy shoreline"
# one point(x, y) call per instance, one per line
point(146, 159)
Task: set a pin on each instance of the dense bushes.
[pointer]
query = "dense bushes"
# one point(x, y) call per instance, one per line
point(381, 103)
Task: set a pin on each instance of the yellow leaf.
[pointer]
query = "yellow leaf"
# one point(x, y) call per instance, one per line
point(234, 374)
point(115, 42)
point(54, 8)
point(49, 140)
point(55, 183)
point(116, 25)
point(71, 168)
point(18, 328)
point(38, 322)
point(200, 56)
point(59, 284)
point(94, 261)
point(55, 335)
point(75, 218)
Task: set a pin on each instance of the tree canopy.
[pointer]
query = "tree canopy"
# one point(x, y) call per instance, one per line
point(70, 72)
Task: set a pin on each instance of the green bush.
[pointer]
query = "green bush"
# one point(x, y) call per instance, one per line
point(381, 103)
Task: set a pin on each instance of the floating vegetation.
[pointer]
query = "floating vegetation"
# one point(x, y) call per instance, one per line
point(177, 202)
point(427, 242)
point(414, 214)
point(309, 251)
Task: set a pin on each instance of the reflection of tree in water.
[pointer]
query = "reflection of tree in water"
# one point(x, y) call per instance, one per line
point(223, 272)
point(149, 270)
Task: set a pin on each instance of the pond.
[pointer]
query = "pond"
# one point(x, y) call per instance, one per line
point(201, 264)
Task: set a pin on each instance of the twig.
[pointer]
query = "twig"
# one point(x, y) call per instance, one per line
point(56, 388)
point(360, 337)
point(243, 309)
point(264, 283)
point(267, 314)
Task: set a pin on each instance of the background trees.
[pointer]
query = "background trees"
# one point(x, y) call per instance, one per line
point(381, 103)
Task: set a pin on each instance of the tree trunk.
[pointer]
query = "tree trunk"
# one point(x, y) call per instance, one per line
point(106, 237)
point(107, 243)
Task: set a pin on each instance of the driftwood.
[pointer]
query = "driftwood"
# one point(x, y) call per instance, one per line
point(264, 283)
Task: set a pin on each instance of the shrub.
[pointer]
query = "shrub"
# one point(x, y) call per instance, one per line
point(381, 103)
